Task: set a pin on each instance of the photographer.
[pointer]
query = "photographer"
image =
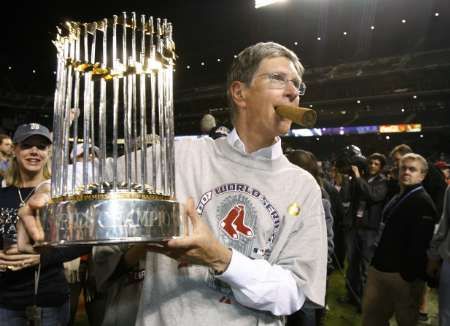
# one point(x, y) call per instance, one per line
point(368, 192)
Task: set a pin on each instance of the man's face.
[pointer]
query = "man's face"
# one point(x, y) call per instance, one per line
point(263, 95)
point(374, 167)
point(411, 173)
point(6, 147)
point(446, 173)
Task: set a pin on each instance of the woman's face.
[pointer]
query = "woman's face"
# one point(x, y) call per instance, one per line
point(32, 154)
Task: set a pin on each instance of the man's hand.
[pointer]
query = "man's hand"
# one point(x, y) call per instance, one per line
point(200, 247)
point(13, 260)
point(356, 171)
point(29, 228)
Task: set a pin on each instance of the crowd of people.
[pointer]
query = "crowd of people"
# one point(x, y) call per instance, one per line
point(273, 225)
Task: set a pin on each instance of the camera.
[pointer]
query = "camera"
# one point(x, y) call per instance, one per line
point(348, 156)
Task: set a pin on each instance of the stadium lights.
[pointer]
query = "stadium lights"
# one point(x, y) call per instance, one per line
point(263, 3)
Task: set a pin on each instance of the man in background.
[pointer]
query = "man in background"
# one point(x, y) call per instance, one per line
point(209, 127)
point(368, 198)
point(6, 152)
point(396, 278)
point(435, 185)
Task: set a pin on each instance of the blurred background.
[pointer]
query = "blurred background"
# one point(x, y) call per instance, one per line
point(377, 71)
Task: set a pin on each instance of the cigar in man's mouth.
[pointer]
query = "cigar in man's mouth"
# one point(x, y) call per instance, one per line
point(302, 116)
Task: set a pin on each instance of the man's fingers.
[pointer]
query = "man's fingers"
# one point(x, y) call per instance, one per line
point(23, 239)
point(27, 215)
point(191, 212)
point(163, 249)
point(8, 263)
point(17, 258)
point(185, 243)
point(157, 249)
point(39, 200)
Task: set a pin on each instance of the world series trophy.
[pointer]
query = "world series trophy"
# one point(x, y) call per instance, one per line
point(114, 99)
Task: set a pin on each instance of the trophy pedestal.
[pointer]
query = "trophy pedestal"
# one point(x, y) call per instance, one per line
point(100, 219)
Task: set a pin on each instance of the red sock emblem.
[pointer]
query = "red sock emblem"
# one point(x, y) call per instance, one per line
point(233, 223)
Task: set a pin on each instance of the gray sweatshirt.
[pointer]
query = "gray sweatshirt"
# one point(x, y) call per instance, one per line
point(282, 222)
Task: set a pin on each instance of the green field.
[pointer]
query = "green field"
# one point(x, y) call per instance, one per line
point(339, 314)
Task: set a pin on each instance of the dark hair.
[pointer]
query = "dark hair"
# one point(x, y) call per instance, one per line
point(307, 161)
point(378, 157)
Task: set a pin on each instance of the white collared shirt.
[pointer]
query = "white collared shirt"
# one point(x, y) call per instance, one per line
point(271, 152)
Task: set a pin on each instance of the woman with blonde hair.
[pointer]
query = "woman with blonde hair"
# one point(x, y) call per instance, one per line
point(33, 286)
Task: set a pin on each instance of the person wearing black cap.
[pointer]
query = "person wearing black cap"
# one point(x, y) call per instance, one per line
point(21, 273)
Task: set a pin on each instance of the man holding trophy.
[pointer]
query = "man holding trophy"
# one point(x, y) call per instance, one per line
point(254, 246)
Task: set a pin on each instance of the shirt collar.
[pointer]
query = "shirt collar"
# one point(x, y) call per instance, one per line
point(271, 152)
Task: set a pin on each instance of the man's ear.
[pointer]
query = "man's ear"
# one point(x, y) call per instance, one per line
point(238, 93)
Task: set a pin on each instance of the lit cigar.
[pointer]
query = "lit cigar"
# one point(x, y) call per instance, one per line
point(299, 115)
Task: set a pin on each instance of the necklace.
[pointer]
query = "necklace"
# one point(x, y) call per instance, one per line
point(23, 201)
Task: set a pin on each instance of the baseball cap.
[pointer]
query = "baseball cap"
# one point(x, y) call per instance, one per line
point(31, 129)
point(442, 165)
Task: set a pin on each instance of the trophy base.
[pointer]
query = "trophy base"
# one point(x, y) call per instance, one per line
point(101, 219)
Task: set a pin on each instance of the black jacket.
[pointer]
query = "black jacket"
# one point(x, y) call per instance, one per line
point(409, 225)
point(369, 197)
point(434, 183)
point(337, 210)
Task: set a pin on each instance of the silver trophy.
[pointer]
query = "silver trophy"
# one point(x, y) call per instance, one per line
point(113, 133)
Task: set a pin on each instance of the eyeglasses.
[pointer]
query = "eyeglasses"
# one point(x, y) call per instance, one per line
point(280, 80)
point(25, 146)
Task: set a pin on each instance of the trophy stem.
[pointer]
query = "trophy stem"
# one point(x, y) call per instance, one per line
point(91, 109)
point(153, 111)
point(76, 114)
point(143, 110)
point(57, 105)
point(102, 109)
point(86, 105)
point(115, 104)
point(67, 122)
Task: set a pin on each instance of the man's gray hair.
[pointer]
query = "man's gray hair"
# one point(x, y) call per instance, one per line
point(247, 62)
point(415, 157)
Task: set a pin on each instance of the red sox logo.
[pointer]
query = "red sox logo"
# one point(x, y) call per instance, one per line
point(233, 223)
